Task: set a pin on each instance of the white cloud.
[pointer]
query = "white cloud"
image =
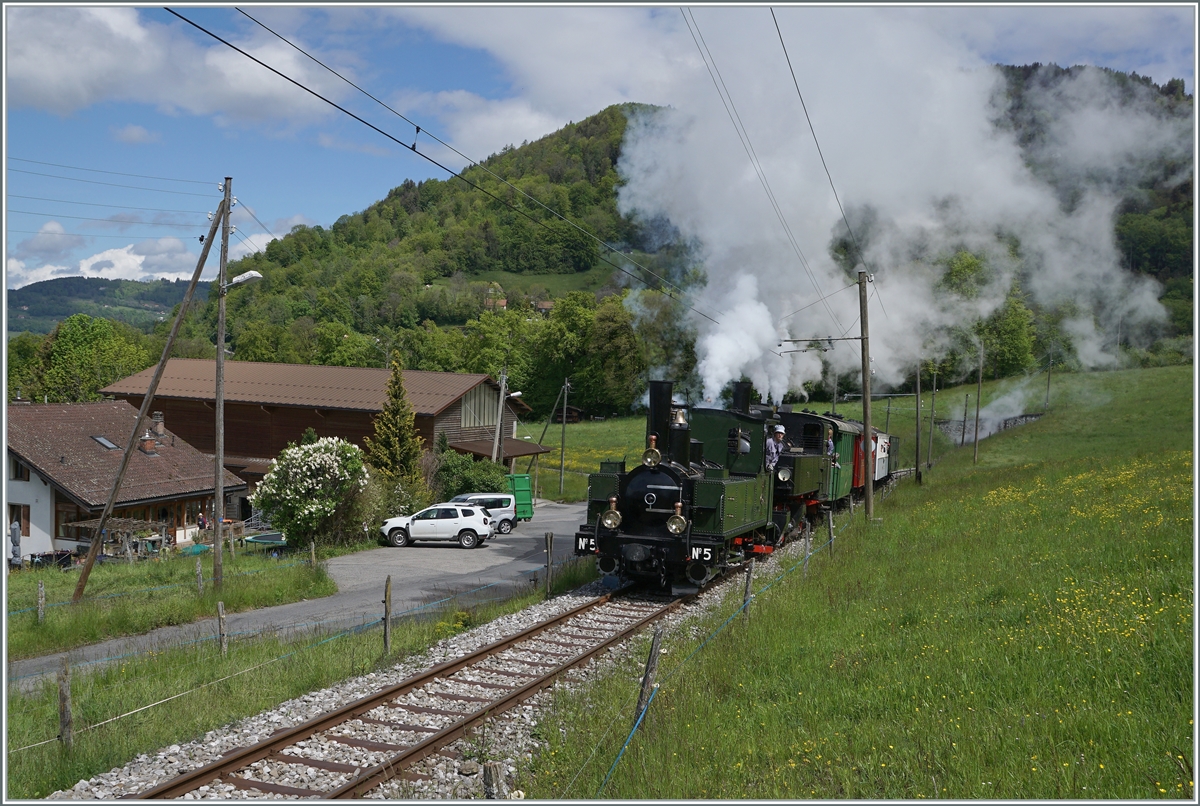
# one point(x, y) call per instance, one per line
point(52, 242)
point(118, 54)
point(326, 140)
point(134, 134)
point(162, 258)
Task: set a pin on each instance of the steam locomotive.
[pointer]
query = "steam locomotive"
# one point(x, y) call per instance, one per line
point(701, 500)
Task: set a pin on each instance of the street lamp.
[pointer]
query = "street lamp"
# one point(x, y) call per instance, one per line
point(219, 477)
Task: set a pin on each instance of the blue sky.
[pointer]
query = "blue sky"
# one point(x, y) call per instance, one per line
point(118, 91)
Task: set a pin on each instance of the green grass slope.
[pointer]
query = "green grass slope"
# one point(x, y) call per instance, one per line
point(1020, 628)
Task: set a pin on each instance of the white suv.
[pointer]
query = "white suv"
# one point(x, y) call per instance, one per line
point(468, 525)
point(501, 506)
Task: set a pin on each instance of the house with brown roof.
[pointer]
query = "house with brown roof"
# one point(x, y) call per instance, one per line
point(269, 405)
point(64, 458)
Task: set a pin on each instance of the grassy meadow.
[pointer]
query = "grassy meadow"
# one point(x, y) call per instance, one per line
point(131, 599)
point(1019, 628)
point(197, 690)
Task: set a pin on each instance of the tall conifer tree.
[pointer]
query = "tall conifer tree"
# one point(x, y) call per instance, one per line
point(395, 449)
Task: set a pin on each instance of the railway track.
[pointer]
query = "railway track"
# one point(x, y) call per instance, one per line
point(351, 750)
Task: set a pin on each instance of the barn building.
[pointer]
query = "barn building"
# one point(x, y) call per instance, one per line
point(269, 405)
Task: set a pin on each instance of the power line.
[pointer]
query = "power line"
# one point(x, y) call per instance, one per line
point(92, 235)
point(829, 176)
point(731, 110)
point(110, 220)
point(115, 173)
point(110, 184)
point(809, 305)
point(250, 213)
point(111, 206)
point(473, 163)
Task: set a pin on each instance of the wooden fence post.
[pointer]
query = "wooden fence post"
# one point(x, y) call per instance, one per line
point(387, 616)
point(221, 629)
point(64, 702)
point(648, 676)
point(494, 787)
point(312, 553)
point(41, 601)
point(749, 590)
point(807, 546)
point(199, 577)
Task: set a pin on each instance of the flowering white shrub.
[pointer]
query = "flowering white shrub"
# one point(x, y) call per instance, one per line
point(311, 490)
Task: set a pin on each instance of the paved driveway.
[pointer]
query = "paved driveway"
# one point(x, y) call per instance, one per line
point(420, 574)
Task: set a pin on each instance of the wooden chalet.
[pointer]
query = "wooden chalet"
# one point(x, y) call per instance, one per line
point(64, 458)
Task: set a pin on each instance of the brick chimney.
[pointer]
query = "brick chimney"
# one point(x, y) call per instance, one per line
point(146, 444)
point(159, 428)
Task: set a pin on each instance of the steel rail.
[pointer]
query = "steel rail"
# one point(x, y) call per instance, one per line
point(377, 775)
point(239, 758)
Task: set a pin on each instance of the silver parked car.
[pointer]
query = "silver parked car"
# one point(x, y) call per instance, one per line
point(468, 525)
point(501, 506)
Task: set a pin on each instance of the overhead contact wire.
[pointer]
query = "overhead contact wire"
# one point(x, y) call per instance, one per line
point(112, 206)
point(862, 256)
point(735, 118)
point(112, 184)
point(476, 164)
point(115, 173)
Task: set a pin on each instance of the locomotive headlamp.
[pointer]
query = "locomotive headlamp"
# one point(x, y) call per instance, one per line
point(784, 474)
point(677, 523)
point(652, 457)
point(611, 519)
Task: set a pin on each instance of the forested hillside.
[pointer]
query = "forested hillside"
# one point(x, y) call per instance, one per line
point(38, 307)
point(425, 270)
point(1154, 223)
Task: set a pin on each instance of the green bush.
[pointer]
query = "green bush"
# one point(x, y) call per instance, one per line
point(313, 491)
point(459, 473)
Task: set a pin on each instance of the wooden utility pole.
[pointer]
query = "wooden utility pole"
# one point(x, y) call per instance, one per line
point(962, 439)
point(917, 463)
point(978, 397)
point(98, 532)
point(219, 477)
point(1049, 369)
point(497, 454)
point(932, 412)
point(562, 459)
point(868, 436)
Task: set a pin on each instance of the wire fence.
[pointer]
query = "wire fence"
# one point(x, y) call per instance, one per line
point(189, 584)
point(679, 667)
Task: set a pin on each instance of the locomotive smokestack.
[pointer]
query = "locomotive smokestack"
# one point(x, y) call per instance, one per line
point(658, 422)
point(741, 396)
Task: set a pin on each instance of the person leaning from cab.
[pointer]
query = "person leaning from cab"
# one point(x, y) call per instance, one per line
point(775, 446)
point(829, 451)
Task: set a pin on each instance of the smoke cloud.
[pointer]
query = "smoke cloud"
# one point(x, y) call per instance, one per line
point(911, 127)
